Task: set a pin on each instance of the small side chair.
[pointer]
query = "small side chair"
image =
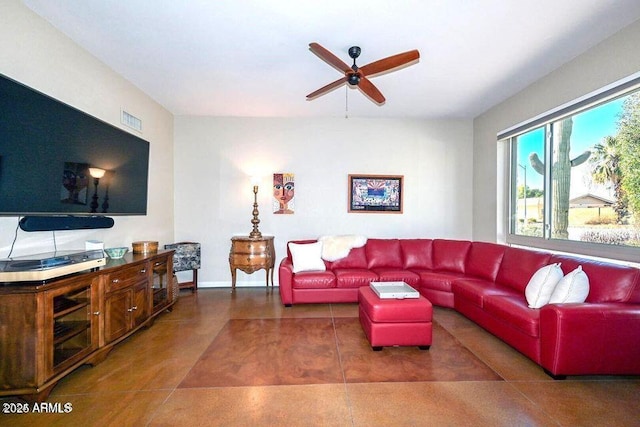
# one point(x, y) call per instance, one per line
point(186, 257)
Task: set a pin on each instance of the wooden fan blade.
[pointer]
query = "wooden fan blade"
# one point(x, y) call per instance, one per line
point(327, 88)
point(370, 90)
point(329, 57)
point(390, 63)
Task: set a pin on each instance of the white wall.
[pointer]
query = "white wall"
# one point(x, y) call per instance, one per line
point(36, 54)
point(215, 158)
point(610, 61)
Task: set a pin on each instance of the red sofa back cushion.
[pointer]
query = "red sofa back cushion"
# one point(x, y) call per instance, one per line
point(518, 265)
point(417, 254)
point(383, 253)
point(450, 255)
point(607, 282)
point(483, 260)
point(357, 258)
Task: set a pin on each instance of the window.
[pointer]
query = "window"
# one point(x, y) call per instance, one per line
point(575, 177)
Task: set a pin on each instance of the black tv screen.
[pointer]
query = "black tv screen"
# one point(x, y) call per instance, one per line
point(47, 150)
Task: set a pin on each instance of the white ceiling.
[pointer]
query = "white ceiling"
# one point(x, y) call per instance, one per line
point(251, 57)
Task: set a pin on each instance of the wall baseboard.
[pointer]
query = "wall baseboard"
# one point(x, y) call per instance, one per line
point(227, 284)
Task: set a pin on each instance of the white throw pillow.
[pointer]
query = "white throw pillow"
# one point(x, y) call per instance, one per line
point(307, 257)
point(541, 285)
point(574, 287)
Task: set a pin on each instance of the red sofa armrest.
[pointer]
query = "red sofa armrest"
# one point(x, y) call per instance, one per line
point(583, 339)
point(285, 281)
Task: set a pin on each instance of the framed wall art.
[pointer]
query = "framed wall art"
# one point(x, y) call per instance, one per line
point(283, 192)
point(375, 193)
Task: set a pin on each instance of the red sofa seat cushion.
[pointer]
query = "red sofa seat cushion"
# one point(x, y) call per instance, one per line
point(417, 254)
point(450, 255)
point(354, 277)
point(483, 260)
point(607, 282)
point(437, 280)
point(383, 253)
point(518, 265)
point(513, 311)
point(397, 275)
point(475, 290)
point(314, 280)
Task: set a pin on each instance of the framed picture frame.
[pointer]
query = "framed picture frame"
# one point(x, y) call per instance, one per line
point(375, 193)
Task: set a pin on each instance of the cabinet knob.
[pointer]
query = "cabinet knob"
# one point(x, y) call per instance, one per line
point(135, 307)
point(96, 313)
point(115, 280)
point(144, 270)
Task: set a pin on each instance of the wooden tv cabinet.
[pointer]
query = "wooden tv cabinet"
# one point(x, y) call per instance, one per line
point(49, 329)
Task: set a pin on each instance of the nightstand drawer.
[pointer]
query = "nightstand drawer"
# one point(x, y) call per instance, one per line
point(249, 247)
point(263, 259)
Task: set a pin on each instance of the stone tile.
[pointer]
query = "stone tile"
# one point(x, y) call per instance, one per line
point(587, 402)
point(269, 352)
point(300, 405)
point(447, 360)
point(134, 408)
point(443, 404)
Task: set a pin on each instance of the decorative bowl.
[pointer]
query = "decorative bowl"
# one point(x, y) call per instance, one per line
point(116, 253)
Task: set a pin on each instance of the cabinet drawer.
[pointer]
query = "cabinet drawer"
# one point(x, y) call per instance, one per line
point(250, 260)
point(125, 277)
point(247, 247)
point(160, 267)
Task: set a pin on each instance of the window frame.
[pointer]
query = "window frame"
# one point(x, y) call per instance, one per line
point(508, 136)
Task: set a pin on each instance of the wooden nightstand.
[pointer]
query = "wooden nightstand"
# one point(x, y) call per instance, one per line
point(250, 254)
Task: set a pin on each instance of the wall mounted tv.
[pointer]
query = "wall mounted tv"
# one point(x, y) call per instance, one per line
point(47, 149)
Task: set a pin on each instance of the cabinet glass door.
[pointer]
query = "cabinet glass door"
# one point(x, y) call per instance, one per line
point(71, 332)
point(162, 279)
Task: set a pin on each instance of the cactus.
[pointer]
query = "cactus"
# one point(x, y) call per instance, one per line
point(560, 175)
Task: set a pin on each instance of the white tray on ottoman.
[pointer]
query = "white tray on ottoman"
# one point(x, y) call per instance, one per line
point(394, 290)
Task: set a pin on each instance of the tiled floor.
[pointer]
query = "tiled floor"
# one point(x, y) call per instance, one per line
point(243, 359)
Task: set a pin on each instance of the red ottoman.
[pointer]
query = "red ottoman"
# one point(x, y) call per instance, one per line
point(389, 322)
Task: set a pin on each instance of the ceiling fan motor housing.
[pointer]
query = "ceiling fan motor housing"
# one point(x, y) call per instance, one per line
point(353, 79)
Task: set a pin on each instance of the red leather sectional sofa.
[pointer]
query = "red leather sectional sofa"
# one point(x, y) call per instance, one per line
point(486, 283)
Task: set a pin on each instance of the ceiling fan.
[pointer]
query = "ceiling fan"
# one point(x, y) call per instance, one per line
point(359, 76)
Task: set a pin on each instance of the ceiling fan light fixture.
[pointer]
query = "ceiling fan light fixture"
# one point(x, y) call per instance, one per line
point(353, 79)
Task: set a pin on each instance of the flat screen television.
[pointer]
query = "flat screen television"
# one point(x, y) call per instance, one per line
point(49, 150)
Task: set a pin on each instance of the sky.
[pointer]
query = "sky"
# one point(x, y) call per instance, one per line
point(589, 128)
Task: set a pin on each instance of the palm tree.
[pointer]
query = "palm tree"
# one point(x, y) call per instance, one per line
point(606, 169)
